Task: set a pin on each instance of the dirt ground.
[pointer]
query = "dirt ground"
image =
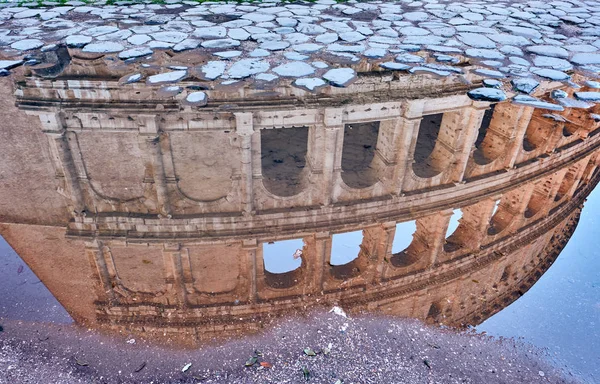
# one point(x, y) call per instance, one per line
point(358, 350)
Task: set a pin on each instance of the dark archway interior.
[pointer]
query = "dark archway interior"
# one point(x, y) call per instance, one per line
point(360, 142)
point(283, 158)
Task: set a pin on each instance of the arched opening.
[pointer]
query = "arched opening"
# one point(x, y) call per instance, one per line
point(434, 314)
point(436, 135)
point(404, 236)
point(505, 274)
point(539, 131)
point(567, 183)
point(345, 249)
point(283, 159)
point(453, 242)
point(488, 147)
point(569, 129)
point(405, 249)
point(535, 205)
point(358, 153)
point(429, 130)
point(499, 221)
point(283, 263)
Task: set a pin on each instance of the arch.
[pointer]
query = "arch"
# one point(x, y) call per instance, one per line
point(489, 146)
point(453, 241)
point(345, 251)
point(506, 274)
point(499, 221)
point(358, 154)
point(403, 236)
point(283, 263)
point(539, 198)
point(434, 313)
point(539, 131)
point(567, 182)
point(432, 155)
point(283, 159)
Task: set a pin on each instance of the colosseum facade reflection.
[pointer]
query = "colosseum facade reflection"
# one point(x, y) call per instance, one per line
point(141, 213)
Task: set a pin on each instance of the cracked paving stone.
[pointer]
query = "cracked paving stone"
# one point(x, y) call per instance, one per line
point(170, 36)
point(484, 53)
point(135, 52)
point(551, 74)
point(489, 73)
point(274, 45)
point(78, 41)
point(525, 85)
point(167, 77)
point(220, 43)
point(198, 99)
point(296, 69)
point(169, 91)
point(247, 67)
point(340, 77)
point(487, 94)
point(310, 83)
point(552, 62)
point(104, 47)
point(587, 96)
point(213, 69)
point(548, 50)
point(408, 58)
point(27, 44)
point(395, 66)
point(530, 101)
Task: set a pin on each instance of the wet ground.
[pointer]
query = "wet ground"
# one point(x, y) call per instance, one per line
point(361, 350)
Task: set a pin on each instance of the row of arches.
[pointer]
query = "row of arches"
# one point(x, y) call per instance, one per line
point(463, 228)
point(439, 138)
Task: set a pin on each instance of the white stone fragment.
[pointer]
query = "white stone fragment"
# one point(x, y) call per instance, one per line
point(247, 67)
point(27, 44)
point(167, 77)
point(536, 103)
point(310, 83)
point(213, 69)
point(199, 99)
point(266, 77)
point(8, 64)
point(295, 69)
point(340, 77)
point(104, 47)
point(78, 41)
point(139, 39)
point(169, 36)
point(220, 43)
point(587, 96)
point(135, 52)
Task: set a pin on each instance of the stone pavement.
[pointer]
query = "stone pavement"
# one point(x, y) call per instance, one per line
point(318, 44)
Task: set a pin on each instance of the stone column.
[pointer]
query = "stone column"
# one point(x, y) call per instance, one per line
point(524, 115)
point(332, 151)
point(178, 280)
point(153, 144)
point(60, 142)
point(467, 132)
point(379, 239)
point(250, 246)
point(249, 139)
point(102, 278)
point(320, 253)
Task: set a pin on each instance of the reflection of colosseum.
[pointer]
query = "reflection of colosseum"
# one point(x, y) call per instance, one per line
point(136, 213)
